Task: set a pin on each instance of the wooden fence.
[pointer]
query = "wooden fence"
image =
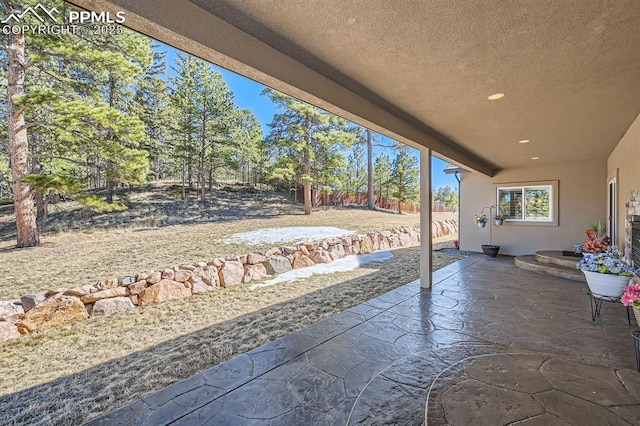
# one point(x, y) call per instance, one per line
point(342, 198)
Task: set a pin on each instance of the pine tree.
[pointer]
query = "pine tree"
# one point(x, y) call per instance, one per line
point(305, 139)
point(404, 176)
point(23, 203)
point(67, 103)
point(329, 160)
point(382, 175)
point(366, 137)
point(182, 95)
point(446, 196)
point(252, 156)
point(205, 108)
point(153, 106)
point(355, 176)
point(126, 60)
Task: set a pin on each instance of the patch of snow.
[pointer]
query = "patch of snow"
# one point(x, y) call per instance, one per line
point(347, 263)
point(292, 234)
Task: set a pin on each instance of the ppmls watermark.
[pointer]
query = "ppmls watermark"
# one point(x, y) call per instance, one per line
point(42, 20)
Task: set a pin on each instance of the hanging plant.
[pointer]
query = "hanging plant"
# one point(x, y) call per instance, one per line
point(480, 220)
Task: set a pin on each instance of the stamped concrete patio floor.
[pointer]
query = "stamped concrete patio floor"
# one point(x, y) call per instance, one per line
point(489, 344)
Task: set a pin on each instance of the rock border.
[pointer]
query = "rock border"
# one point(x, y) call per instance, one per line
point(60, 306)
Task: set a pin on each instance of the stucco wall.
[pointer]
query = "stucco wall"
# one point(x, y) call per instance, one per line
point(582, 192)
point(624, 162)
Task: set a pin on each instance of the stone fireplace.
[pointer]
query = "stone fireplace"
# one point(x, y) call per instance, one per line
point(635, 241)
point(632, 230)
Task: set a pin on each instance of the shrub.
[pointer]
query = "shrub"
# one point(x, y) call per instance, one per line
point(98, 205)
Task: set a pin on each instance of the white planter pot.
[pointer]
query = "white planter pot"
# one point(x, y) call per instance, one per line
point(636, 312)
point(606, 284)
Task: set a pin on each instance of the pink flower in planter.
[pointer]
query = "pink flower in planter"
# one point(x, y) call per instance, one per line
point(628, 299)
point(631, 296)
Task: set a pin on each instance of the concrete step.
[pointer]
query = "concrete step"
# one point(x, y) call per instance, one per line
point(556, 258)
point(530, 263)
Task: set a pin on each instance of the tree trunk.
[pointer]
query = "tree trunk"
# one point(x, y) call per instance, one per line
point(183, 175)
point(306, 169)
point(400, 196)
point(203, 157)
point(201, 176)
point(110, 175)
point(370, 195)
point(156, 165)
point(25, 213)
point(306, 184)
point(110, 186)
point(36, 169)
point(97, 177)
point(387, 193)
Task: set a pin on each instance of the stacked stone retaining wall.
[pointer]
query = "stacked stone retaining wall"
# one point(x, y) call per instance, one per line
point(60, 306)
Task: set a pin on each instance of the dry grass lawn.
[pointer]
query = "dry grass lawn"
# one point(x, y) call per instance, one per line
point(78, 372)
point(156, 233)
point(99, 365)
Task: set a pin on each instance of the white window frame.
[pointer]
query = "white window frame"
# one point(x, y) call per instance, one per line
point(552, 186)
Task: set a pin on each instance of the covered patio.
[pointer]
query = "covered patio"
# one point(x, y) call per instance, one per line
point(527, 97)
point(488, 344)
point(521, 94)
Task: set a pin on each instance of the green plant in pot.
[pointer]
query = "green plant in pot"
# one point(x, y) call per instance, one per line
point(597, 239)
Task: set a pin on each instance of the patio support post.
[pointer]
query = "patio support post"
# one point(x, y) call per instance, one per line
point(425, 219)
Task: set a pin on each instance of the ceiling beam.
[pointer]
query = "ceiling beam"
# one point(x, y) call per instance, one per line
point(185, 26)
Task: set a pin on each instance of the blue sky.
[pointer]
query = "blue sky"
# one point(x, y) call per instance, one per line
point(247, 95)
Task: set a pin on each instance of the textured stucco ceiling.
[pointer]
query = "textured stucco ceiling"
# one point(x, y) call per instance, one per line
point(570, 69)
point(421, 70)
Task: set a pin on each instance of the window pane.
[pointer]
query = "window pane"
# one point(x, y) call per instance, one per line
point(537, 203)
point(510, 202)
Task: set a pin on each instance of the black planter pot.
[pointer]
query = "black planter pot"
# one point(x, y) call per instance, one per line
point(490, 250)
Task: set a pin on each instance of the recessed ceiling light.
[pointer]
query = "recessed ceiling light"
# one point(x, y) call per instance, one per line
point(495, 96)
point(535, 158)
point(524, 141)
